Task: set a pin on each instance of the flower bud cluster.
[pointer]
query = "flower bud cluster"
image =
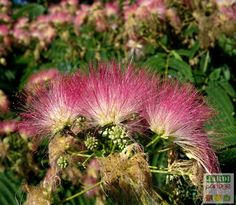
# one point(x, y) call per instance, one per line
point(91, 142)
point(118, 135)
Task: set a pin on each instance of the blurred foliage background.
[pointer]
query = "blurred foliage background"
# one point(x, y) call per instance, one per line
point(189, 40)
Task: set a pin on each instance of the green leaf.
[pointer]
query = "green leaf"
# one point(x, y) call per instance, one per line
point(32, 10)
point(156, 62)
point(194, 49)
point(227, 138)
point(183, 52)
point(205, 60)
point(182, 67)
point(9, 189)
point(192, 29)
point(222, 104)
point(228, 88)
point(176, 55)
point(215, 74)
point(190, 52)
point(228, 155)
point(226, 72)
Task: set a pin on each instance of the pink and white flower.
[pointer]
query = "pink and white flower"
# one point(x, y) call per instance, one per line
point(179, 113)
point(113, 96)
point(8, 126)
point(52, 109)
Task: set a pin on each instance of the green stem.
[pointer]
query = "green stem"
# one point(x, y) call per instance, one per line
point(113, 148)
point(164, 150)
point(79, 154)
point(153, 167)
point(164, 47)
point(153, 141)
point(82, 192)
point(167, 65)
point(167, 172)
point(85, 161)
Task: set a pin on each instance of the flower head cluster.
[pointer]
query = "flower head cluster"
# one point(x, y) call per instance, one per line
point(115, 102)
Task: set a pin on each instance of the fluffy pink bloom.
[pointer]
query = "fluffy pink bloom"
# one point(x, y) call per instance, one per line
point(5, 18)
point(154, 6)
point(22, 22)
point(229, 12)
point(179, 113)
point(8, 126)
point(4, 103)
point(43, 19)
point(130, 11)
point(81, 15)
point(227, 9)
point(21, 35)
point(60, 17)
point(5, 2)
point(113, 96)
point(111, 8)
point(54, 9)
point(40, 78)
point(4, 30)
point(44, 32)
point(51, 109)
point(173, 18)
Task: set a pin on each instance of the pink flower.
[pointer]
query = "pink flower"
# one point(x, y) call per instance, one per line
point(5, 3)
point(22, 22)
point(5, 18)
point(60, 18)
point(4, 30)
point(4, 103)
point(111, 8)
point(113, 96)
point(81, 15)
point(51, 109)
point(227, 9)
point(43, 19)
point(229, 12)
point(8, 126)
point(54, 9)
point(130, 11)
point(40, 78)
point(21, 35)
point(154, 7)
point(173, 17)
point(179, 113)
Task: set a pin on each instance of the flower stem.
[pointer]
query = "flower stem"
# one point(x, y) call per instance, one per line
point(86, 160)
point(153, 167)
point(153, 141)
point(164, 150)
point(79, 154)
point(82, 192)
point(167, 172)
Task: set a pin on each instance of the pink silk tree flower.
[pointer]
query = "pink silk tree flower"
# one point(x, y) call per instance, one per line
point(51, 109)
point(40, 78)
point(178, 112)
point(114, 96)
point(8, 126)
